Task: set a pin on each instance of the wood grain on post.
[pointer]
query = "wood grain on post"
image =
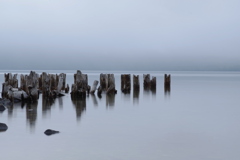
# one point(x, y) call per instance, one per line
point(126, 83)
point(94, 87)
point(136, 84)
point(167, 83)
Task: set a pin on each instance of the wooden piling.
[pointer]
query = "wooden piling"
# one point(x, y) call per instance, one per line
point(94, 87)
point(111, 84)
point(136, 84)
point(167, 83)
point(104, 81)
point(146, 81)
point(153, 82)
point(107, 83)
point(80, 86)
point(126, 83)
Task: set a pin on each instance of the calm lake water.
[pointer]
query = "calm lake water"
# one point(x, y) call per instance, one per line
point(199, 119)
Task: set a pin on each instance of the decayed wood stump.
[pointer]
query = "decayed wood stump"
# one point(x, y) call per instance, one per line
point(67, 89)
point(136, 84)
point(146, 81)
point(107, 83)
point(45, 84)
point(52, 84)
point(153, 82)
point(10, 82)
point(29, 84)
point(104, 81)
point(149, 83)
point(126, 83)
point(80, 86)
point(111, 84)
point(167, 83)
point(94, 87)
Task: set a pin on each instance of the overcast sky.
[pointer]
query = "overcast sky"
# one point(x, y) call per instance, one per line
point(120, 35)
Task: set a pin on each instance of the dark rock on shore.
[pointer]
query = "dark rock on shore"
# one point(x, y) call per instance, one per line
point(2, 108)
point(3, 127)
point(49, 132)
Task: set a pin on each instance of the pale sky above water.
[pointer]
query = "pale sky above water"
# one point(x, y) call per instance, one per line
point(120, 35)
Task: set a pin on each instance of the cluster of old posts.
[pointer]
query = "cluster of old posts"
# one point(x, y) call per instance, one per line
point(52, 86)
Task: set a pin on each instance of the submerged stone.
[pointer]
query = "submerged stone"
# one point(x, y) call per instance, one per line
point(50, 132)
point(3, 127)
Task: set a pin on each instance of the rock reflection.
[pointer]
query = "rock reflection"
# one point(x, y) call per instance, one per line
point(80, 105)
point(110, 100)
point(95, 102)
point(31, 112)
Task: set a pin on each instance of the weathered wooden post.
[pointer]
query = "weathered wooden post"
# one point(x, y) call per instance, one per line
point(61, 79)
point(45, 84)
point(104, 81)
point(40, 82)
point(32, 85)
point(67, 89)
point(12, 80)
point(146, 81)
point(126, 83)
point(136, 84)
point(136, 87)
point(94, 87)
point(53, 82)
point(111, 84)
point(99, 92)
point(107, 83)
point(153, 84)
point(80, 86)
point(167, 83)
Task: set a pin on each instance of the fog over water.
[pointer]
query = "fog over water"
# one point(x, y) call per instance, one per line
point(120, 35)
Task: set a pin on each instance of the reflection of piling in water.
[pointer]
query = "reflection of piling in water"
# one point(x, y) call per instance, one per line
point(95, 102)
point(167, 83)
point(136, 92)
point(46, 104)
point(80, 105)
point(126, 83)
point(60, 101)
point(110, 100)
point(31, 111)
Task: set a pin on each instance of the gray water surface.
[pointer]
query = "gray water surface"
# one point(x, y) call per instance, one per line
point(197, 120)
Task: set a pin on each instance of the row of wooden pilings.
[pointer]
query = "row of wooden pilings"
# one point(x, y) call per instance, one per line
point(50, 85)
point(54, 85)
